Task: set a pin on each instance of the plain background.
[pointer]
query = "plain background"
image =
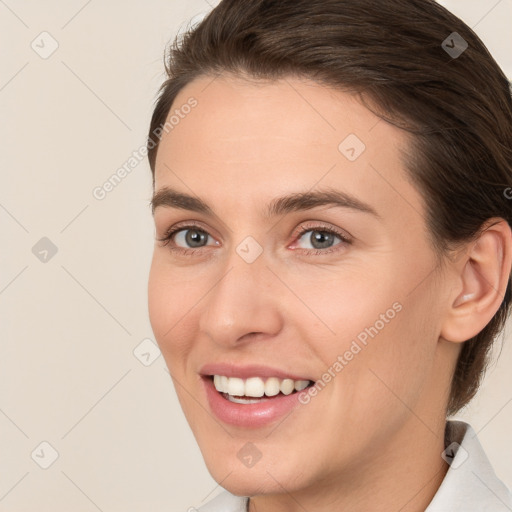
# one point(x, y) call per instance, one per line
point(70, 324)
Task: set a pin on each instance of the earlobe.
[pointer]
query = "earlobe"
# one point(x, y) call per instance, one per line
point(482, 277)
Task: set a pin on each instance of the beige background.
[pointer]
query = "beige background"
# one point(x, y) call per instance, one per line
point(70, 325)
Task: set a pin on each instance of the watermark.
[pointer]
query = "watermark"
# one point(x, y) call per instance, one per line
point(44, 455)
point(454, 45)
point(454, 455)
point(45, 45)
point(351, 147)
point(249, 249)
point(100, 192)
point(508, 193)
point(116, 178)
point(146, 352)
point(44, 250)
point(354, 349)
point(249, 455)
point(173, 120)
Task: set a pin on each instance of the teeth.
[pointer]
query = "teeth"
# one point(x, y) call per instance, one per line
point(301, 384)
point(287, 386)
point(246, 401)
point(253, 387)
point(272, 387)
point(236, 387)
point(256, 387)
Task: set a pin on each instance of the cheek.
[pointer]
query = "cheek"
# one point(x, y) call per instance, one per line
point(377, 339)
point(393, 366)
point(378, 381)
point(342, 304)
point(169, 308)
point(159, 294)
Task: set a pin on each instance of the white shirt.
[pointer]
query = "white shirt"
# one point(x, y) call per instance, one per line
point(470, 484)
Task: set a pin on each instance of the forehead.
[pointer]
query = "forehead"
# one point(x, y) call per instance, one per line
point(258, 139)
point(264, 118)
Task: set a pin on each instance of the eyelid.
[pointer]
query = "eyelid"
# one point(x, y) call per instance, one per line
point(183, 225)
point(304, 227)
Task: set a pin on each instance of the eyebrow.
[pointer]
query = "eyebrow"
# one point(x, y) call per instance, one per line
point(297, 201)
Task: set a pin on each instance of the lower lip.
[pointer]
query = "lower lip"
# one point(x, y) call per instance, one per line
point(250, 415)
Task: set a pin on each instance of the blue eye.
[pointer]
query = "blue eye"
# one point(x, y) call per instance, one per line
point(322, 240)
point(194, 238)
point(191, 238)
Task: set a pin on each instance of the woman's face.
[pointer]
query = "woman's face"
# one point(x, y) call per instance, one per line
point(337, 289)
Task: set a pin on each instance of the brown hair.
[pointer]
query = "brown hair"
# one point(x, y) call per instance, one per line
point(395, 54)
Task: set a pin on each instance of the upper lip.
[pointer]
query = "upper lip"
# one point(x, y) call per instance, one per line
point(246, 371)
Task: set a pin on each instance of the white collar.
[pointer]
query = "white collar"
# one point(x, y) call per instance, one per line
point(470, 484)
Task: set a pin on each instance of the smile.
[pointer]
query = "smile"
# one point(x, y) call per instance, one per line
point(252, 389)
point(252, 396)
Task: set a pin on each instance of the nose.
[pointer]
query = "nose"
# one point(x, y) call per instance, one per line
point(243, 304)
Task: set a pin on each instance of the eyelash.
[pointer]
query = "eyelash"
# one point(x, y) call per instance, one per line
point(304, 229)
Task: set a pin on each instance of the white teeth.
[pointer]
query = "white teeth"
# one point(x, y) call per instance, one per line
point(246, 400)
point(301, 384)
point(256, 387)
point(272, 387)
point(236, 387)
point(287, 386)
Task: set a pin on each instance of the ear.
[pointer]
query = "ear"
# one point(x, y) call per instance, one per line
point(482, 275)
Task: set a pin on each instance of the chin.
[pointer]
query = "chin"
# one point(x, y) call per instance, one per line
point(250, 485)
point(265, 477)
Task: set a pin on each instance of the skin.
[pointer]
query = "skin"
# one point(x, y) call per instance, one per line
point(379, 424)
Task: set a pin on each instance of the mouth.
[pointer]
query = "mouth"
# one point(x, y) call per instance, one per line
point(252, 396)
point(254, 390)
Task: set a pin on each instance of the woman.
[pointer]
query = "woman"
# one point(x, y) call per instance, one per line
point(334, 251)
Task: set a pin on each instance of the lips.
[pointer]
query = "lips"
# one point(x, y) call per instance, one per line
point(251, 396)
point(246, 371)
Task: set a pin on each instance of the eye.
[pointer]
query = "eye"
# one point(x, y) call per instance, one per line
point(186, 238)
point(192, 238)
point(320, 239)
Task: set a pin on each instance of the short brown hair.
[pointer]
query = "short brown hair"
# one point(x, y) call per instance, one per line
point(395, 54)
